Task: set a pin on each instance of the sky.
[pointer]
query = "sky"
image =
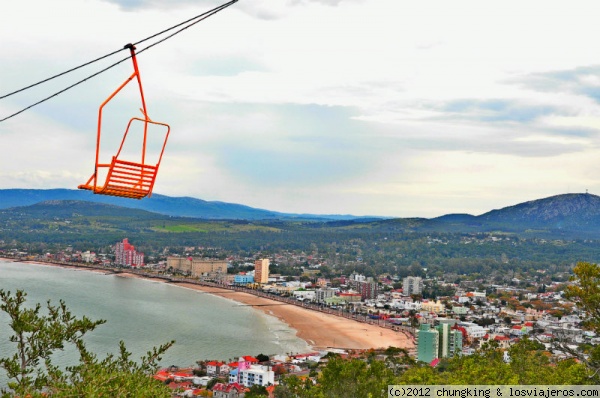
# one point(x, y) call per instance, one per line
point(364, 107)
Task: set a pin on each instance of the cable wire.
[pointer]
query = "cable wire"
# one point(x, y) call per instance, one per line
point(213, 11)
point(196, 19)
point(60, 74)
point(202, 18)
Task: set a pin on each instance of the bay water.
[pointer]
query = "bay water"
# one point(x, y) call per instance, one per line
point(145, 313)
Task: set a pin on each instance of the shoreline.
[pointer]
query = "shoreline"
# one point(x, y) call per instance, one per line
point(319, 330)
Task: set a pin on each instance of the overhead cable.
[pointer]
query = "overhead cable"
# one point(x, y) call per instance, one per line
point(190, 22)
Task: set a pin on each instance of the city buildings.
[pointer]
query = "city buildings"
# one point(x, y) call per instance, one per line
point(250, 375)
point(197, 267)
point(125, 254)
point(261, 271)
point(322, 294)
point(428, 343)
point(412, 285)
point(242, 279)
point(436, 342)
point(367, 289)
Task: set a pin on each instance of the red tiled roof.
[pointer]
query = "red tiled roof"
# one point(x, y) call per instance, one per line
point(228, 387)
point(218, 387)
point(184, 384)
point(161, 376)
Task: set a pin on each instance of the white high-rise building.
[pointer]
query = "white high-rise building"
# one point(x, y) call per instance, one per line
point(412, 285)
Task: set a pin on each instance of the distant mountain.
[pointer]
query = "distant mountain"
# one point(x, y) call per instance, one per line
point(568, 212)
point(172, 206)
point(560, 215)
point(571, 208)
point(66, 209)
point(454, 218)
point(559, 230)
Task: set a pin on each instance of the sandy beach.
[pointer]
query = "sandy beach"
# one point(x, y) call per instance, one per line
point(318, 329)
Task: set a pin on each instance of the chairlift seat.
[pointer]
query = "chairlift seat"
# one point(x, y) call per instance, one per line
point(126, 178)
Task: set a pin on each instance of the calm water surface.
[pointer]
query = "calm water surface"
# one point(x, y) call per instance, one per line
point(145, 314)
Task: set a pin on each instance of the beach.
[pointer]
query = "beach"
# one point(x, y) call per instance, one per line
point(319, 330)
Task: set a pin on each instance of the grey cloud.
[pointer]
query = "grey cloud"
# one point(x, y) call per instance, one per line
point(297, 143)
point(487, 126)
point(256, 9)
point(494, 110)
point(502, 145)
point(570, 80)
point(252, 8)
point(315, 144)
point(130, 5)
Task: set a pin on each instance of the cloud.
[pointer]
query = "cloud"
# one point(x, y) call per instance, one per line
point(584, 80)
point(280, 144)
point(131, 5)
point(319, 105)
point(259, 7)
point(493, 110)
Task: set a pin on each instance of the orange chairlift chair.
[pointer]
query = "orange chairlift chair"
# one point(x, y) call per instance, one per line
point(129, 179)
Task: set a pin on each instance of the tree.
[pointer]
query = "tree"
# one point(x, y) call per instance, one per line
point(262, 357)
point(353, 378)
point(398, 359)
point(528, 364)
point(294, 387)
point(257, 391)
point(37, 334)
point(585, 293)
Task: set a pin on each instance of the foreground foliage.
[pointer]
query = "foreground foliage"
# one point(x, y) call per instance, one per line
point(37, 334)
point(585, 293)
point(527, 363)
point(365, 377)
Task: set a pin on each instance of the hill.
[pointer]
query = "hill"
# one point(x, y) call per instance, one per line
point(161, 204)
point(561, 216)
point(570, 215)
point(551, 233)
point(560, 211)
point(566, 215)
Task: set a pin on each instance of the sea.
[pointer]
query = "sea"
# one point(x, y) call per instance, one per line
point(145, 313)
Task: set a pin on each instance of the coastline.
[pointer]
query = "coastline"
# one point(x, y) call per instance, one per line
point(319, 330)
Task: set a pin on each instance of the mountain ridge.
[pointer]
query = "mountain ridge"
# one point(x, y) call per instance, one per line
point(184, 206)
point(563, 212)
